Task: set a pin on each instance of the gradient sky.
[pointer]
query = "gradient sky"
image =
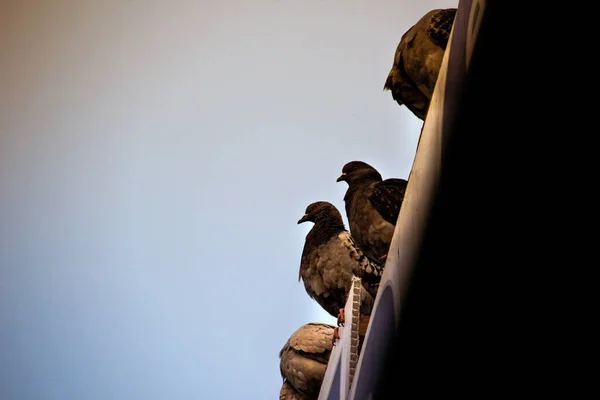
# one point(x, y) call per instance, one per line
point(154, 159)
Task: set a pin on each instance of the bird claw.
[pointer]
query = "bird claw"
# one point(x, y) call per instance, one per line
point(383, 258)
point(336, 335)
point(341, 319)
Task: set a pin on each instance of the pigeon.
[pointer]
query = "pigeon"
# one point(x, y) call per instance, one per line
point(372, 207)
point(418, 60)
point(331, 258)
point(303, 361)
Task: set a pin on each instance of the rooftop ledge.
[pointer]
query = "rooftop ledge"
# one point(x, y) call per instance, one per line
point(349, 376)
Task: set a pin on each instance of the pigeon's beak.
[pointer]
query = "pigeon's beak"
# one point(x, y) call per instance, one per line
point(303, 219)
point(341, 178)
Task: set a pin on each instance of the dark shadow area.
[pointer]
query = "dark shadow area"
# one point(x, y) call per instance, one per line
point(462, 327)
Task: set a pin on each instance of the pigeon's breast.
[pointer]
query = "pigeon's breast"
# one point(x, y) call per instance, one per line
point(335, 264)
point(329, 269)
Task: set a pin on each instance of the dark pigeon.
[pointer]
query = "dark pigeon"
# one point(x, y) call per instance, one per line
point(331, 258)
point(303, 361)
point(372, 207)
point(418, 60)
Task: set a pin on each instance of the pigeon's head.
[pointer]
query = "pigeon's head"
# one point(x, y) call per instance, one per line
point(321, 211)
point(357, 171)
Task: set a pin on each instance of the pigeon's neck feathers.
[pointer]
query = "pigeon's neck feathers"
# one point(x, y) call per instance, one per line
point(364, 179)
point(367, 177)
point(325, 229)
point(360, 183)
point(321, 233)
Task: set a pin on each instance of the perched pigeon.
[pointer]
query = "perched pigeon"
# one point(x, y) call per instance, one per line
point(331, 258)
point(418, 60)
point(372, 207)
point(303, 361)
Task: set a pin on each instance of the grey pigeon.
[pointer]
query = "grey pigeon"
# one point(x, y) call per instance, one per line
point(303, 361)
point(418, 60)
point(331, 258)
point(372, 207)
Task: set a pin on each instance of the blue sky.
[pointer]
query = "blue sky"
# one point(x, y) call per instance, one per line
point(154, 159)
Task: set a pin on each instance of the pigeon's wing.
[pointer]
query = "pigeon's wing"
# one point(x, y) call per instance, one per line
point(368, 271)
point(288, 392)
point(399, 82)
point(387, 197)
point(440, 26)
point(326, 277)
point(313, 340)
point(405, 90)
point(303, 359)
point(307, 251)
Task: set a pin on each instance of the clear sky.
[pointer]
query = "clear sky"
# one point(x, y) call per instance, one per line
point(154, 159)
